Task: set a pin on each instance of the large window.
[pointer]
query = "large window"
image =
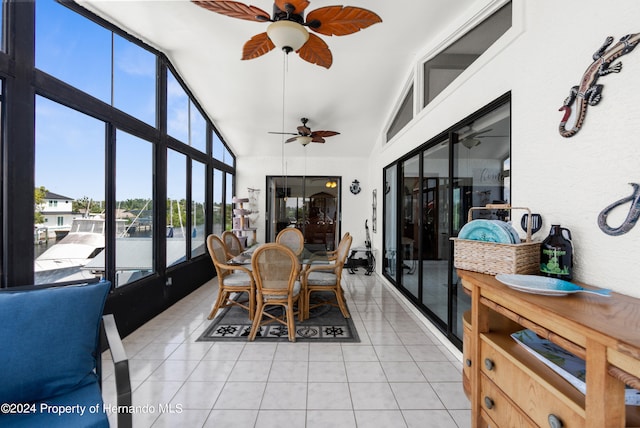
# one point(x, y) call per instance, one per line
point(69, 161)
point(184, 122)
point(198, 196)
point(441, 70)
point(138, 202)
point(176, 207)
point(427, 197)
point(73, 49)
point(134, 208)
point(95, 60)
point(403, 116)
point(220, 151)
point(218, 205)
point(228, 201)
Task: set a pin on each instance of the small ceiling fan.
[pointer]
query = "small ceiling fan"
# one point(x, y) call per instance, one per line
point(287, 29)
point(305, 136)
point(473, 138)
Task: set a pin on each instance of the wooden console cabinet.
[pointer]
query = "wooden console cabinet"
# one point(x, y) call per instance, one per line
point(508, 387)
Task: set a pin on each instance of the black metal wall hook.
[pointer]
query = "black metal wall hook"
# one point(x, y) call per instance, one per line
point(632, 216)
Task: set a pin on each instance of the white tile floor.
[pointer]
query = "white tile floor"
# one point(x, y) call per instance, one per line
point(399, 375)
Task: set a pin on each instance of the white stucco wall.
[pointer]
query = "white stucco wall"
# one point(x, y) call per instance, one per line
point(568, 181)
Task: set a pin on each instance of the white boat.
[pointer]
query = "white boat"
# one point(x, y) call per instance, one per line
point(64, 260)
point(80, 254)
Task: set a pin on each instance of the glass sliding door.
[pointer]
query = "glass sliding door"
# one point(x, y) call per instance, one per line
point(481, 163)
point(410, 226)
point(310, 204)
point(435, 244)
point(427, 198)
point(390, 221)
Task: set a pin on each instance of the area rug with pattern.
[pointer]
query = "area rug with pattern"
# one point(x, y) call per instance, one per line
point(325, 324)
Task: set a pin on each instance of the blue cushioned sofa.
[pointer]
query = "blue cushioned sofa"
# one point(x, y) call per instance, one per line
point(50, 353)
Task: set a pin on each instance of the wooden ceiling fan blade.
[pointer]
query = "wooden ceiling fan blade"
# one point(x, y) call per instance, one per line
point(291, 140)
point(234, 9)
point(341, 20)
point(317, 139)
point(281, 133)
point(316, 52)
point(257, 46)
point(298, 5)
point(324, 133)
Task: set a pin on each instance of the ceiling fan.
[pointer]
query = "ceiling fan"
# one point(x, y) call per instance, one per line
point(287, 29)
point(472, 139)
point(305, 136)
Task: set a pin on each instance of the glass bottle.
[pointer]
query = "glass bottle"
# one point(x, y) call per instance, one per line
point(556, 254)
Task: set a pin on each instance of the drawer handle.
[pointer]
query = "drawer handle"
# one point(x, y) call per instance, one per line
point(468, 362)
point(554, 421)
point(488, 402)
point(489, 364)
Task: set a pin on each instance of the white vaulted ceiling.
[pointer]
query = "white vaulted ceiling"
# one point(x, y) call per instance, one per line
point(244, 99)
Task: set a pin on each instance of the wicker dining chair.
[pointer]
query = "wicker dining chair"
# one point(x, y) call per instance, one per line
point(276, 270)
point(325, 257)
point(332, 254)
point(327, 277)
point(292, 238)
point(232, 242)
point(231, 279)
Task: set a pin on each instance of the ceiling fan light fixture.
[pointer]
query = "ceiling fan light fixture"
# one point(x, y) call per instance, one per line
point(331, 184)
point(469, 143)
point(304, 140)
point(287, 35)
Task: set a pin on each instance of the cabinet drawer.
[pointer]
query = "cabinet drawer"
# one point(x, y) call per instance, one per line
point(466, 353)
point(533, 387)
point(500, 410)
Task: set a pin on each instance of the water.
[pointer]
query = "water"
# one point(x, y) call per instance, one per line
point(41, 248)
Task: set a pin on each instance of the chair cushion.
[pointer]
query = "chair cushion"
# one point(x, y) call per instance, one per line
point(237, 279)
point(82, 408)
point(321, 278)
point(296, 291)
point(48, 340)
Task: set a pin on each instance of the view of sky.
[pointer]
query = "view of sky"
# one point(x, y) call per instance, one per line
point(70, 148)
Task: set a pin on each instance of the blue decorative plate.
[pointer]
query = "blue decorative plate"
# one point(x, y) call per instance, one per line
point(544, 285)
point(487, 231)
point(515, 238)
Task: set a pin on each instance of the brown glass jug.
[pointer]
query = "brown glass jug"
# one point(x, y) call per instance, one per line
point(556, 254)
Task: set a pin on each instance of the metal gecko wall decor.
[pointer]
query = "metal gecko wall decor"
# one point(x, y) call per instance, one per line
point(589, 92)
point(632, 216)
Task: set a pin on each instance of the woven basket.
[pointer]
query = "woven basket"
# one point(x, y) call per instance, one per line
point(494, 258)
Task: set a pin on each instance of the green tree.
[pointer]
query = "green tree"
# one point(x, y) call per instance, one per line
point(38, 197)
point(80, 205)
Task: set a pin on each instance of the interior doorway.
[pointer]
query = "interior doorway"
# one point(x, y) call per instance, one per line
point(310, 204)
